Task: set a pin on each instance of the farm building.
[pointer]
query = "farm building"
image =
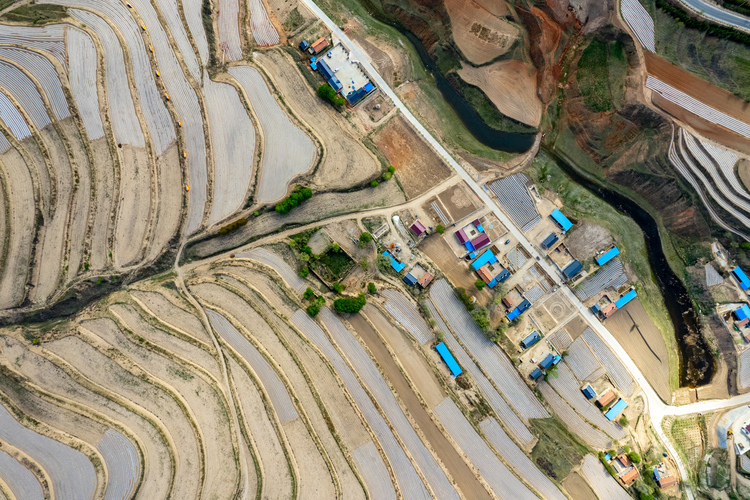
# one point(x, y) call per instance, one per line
point(595, 309)
point(535, 374)
point(743, 315)
point(461, 236)
point(425, 280)
point(609, 309)
point(357, 95)
point(486, 258)
point(529, 341)
point(303, 45)
point(317, 47)
point(483, 265)
point(611, 254)
point(507, 302)
point(620, 303)
point(485, 274)
point(606, 398)
point(518, 310)
point(396, 265)
point(616, 409)
point(547, 361)
point(480, 241)
point(561, 220)
point(589, 392)
point(549, 241)
point(572, 269)
point(741, 277)
point(418, 228)
point(328, 75)
point(448, 358)
point(629, 477)
point(410, 280)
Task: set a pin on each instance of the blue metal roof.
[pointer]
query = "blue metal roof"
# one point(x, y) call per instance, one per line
point(486, 258)
point(536, 373)
point(502, 276)
point(549, 240)
point(480, 228)
point(469, 246)
point(626, 298)
point(742, 278)
point(492, 283)
point(523, 305)
point(513, 314)
point(448, 358)
point(410, 280)
point(304, 45)
point(572, 269)
point(608, 256)
point(398, 266)
point(589, 392)
point(547, 361)
point(329, 75)
point(595, 308)
point(530, 340)
point(356, 95)
point(743, 312)
point(616, 409)
point(557, 215)
point(656, 475)
point(368, 87)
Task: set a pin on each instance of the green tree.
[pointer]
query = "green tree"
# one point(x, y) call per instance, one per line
point(304, 272)
point(624, 421)
point(365, 237)
point(338, 288)
point(364, 263)
point(387, 176)
point(391, 169)
point(313, 309)
point(309, 294)
point(374, 184)
point(480, 284)
point(482, 318)
point(634, 457)
point(440, 229)
point(350, 305)
point(371, 287)
point(383, 263)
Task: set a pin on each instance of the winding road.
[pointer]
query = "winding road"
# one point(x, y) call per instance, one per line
point(718, 14)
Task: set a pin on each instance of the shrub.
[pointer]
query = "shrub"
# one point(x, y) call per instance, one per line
point(304, 272)
point(606, 464)
point(350, 305)
point(387, 176)
point(313, 309)
point(326, 92)
point(309, 294)
point(465, 298)
point(624, 421)
point(299, 195)
point(391, 169)
point(371, 287)
point(480, 284)
point(374, 184)
point(482, 318)
point(364, 263)
point(338, 288)
point(440, 229)
point(384, 264)
point(234, 226)
point(634, 457)
point(366, 237)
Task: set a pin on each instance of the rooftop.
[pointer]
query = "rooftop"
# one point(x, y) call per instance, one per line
point(563, 221)
point(611, 254)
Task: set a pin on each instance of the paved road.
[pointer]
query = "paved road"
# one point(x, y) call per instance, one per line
point(716, 13)
point(656, 407)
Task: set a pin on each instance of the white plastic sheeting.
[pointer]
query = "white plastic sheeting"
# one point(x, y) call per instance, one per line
point(50, 38)
point(373, 471)
point(229, 29)
point(45, 73)
point(19, 479)
point(277, 264)
point(603, 484)
point(13, 119)
point(407, 315)
point(194, 18)
point(82, 76)
point(233, 146)
point(617, 371)
point(125, 124)
point(640, 22)
point(171, 14)
point(263, 29)
point(20, 86)
point(123, 466)
point(573, 420)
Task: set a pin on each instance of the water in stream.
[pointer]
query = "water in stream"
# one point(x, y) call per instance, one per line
point(697, 364)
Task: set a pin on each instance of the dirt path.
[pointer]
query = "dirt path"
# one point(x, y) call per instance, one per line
point(462, 475)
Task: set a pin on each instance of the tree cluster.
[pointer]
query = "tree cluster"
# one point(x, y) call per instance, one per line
point(299, 195)
point(234, 226)
point(326, 92)
point(350, 305)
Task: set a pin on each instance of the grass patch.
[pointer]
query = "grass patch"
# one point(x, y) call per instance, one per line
point(592, 77)
point(617, 69)
point(333, 265)
point(557, 450)
point(36, 14)
point(687, 435)
point(294, 20)
point(582, 205)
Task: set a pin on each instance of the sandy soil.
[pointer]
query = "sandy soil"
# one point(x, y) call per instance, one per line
point(170, 211)
point(95, 366)
point(134, 207)
point(643, 341)
point(578, 488)
point(457, 272)
point(34, 155)
point(460, 201)
point(277, 480)
point(157, 471)
point(418, 168)
point(452, 461)
point(586, 240)
point(173, 315)
point(206, 406)
point(242, 275)
point(511, 86)
point(743, 169)
point(480, 35)
point(494, 7)
point(104, 176)
point(314, 477)
point(20, 198)
point(346, 161)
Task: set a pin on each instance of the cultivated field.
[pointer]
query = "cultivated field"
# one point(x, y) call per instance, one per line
point(511, 86)
point(229, 29)
point(594, 437)
point(418, 168)
point(479, 34)
point(600, 481)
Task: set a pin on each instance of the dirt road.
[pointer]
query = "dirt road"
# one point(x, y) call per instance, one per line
point(464, 477)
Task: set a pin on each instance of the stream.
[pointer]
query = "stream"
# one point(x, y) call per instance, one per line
point(697, 364)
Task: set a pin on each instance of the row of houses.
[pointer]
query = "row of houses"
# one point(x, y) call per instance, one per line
point(545, 364)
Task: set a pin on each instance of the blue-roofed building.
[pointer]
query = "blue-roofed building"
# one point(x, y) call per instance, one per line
point(549, 241)
point(314, 66)
point(410, 280)
point(469, 246)
point(626, 298)
point(611, 254)
point(547, 361)
point(355, 96)
point(607, 457)
point(529, 341)
point(525, 304)
point(368, 87)
point(396, 265)
point(743, 315)
point(741, 277)
point(589, 392)
point(504, 274)
point(616, 409)
point(303, 45)
point(448, 358)
point(595, 308)
point(486, 258)
point(561, 220)
point(657, 477)
point(329, 75)
point(572, 269)
point(535, 374)
point(513, 314)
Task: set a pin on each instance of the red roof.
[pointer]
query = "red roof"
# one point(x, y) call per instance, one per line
point(418, 228)
point(484, 273)
point(480, 241)
point(319, 45)
point(609, 309)
point(666, 482)
point(629, 476)
point(425, 280)
point(461, 235)
point(606, 398)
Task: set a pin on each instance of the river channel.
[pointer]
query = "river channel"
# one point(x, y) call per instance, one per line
point(697, 364)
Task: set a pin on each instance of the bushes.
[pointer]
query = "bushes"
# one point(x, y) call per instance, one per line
point(365, 238)
point(387, 176)
point(313, 309)
point(371, 287)
point(338, 288)
point(606, 464)
point(482, 318)
point(350, 305)
point(304, 272)
point(440, 229)
point(299, 195)
point(592, 77)
point(234, 226)
point(480, 284)
point(326, 92)
point(374, 184)
point(465, 298)
point(634, 457)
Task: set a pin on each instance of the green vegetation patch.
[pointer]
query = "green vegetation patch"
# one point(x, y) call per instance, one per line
point(208, 26)
point(617, 70)
point(350, 305)
point(333, 265)
point(592, 77)
point(299, 195)
point(558, 450)
point(294, 20)
point(36, 14)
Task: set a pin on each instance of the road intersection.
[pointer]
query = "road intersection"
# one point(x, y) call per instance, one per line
point(657, 409)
